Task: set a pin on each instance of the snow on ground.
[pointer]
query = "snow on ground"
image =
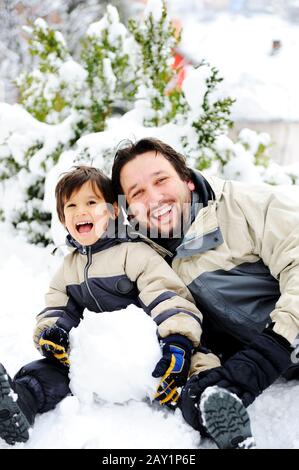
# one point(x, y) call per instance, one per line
point(78, 422)
point(265, 84)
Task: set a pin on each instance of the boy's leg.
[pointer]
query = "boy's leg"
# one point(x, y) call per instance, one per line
point(38, 386)
point(13, 423)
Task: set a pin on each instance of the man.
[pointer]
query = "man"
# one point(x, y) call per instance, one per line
point(236, 247)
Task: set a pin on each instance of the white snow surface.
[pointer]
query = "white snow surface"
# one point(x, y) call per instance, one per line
point(134, 421)
point(265, 84)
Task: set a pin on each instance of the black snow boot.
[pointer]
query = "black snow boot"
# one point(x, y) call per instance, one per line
point(14, 424)
point(225, 419)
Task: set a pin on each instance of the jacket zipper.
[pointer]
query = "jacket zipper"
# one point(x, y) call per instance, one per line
point(87, 250)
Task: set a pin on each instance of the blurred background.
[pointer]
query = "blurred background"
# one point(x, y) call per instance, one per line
point(253, 43)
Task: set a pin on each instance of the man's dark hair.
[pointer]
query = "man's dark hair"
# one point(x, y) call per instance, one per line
point(132, 150)
point(73, 180)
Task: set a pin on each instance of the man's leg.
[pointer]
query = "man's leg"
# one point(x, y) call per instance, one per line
point(38, 387)
point(217, 413)
point(225, 419)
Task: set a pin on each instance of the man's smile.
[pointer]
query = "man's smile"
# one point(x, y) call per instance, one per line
point(162, 212)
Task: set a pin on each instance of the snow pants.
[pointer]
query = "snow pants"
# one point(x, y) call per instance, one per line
point(41, 385)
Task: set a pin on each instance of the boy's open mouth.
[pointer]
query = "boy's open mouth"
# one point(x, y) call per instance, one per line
point(84, 227)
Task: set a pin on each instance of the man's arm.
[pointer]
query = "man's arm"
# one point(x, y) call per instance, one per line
point(162, 294)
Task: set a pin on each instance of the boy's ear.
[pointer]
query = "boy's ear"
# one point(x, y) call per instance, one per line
point(116, 210)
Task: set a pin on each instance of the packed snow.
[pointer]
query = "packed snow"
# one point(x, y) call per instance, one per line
point(119, 413)
point(125, 342)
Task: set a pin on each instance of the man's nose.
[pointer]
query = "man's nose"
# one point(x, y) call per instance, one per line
point(154, 195)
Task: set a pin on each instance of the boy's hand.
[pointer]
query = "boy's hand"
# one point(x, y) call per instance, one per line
point(54, 342)
point(173, 367)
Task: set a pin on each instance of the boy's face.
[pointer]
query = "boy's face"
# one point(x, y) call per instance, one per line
point(86, 215)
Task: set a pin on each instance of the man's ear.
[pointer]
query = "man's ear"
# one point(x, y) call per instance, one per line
point(191, 185)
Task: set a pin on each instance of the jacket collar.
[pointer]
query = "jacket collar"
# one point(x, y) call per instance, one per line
point(107, 240)
point(204, 233)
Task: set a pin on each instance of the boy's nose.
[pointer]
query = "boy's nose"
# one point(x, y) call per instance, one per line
point(81, 211)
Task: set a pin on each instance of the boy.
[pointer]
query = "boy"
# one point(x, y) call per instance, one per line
point(102, 274)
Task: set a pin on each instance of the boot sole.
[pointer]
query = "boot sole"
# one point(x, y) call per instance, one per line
point(226, 419)
point(13, 423)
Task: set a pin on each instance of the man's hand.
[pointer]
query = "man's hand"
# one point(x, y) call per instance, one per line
point(247, 373)
point(173, 367)
point(54, 342)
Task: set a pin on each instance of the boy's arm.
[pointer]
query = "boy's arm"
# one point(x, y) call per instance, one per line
point(162, 294)
point(61, 310)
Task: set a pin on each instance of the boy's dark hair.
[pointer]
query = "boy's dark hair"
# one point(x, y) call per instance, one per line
point(132, 150)
point(73, 180)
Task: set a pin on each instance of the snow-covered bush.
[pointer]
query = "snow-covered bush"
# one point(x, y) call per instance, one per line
point(156, 39)
point(208, 116)
point(109, 59)
point(44, 92)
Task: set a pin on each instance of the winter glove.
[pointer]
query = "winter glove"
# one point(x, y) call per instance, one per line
point(173, 367)
point(246, 374)
point(54, 342)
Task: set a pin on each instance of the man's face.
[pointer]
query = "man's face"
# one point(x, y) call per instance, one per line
point(157, 196)
point(86, 215)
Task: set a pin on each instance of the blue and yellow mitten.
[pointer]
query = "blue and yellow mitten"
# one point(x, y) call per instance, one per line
point(173, 367)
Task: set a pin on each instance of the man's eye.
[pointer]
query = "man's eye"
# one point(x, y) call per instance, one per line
point(160, 180)
point(138, 193)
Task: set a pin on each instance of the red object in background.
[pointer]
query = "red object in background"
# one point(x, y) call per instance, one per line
point(179, 64)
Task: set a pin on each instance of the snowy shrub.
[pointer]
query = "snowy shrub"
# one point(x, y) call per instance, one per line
point(158, 90)
point(43, 91)
point(208, 116)
point(108, 57)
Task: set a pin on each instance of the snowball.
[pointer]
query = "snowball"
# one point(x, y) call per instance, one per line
point(113, 355)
